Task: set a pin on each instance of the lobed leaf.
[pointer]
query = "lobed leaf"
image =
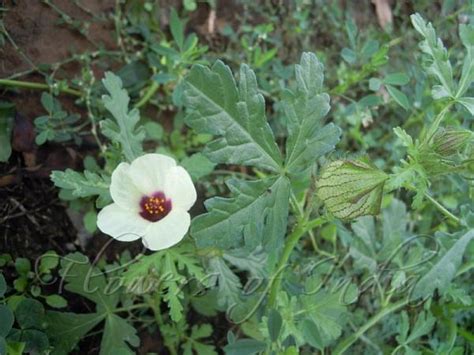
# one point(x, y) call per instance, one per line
point(122, 130)
point(83, 185)
point(216, 106)
point(437, 55)
point(441, 274)
point(304, 110)
point(256, 215)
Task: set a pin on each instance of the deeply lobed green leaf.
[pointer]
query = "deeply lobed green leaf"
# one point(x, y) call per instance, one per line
point(305, 109)
point(236, 114)
point(123, 129)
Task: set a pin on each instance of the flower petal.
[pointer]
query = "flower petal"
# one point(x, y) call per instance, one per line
point(180, 188)
point(168, 231)
point(148, 172)
point(123, 190)
point(122, 224)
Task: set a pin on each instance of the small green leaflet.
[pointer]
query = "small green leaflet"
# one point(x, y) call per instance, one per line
point(123, 129)
point(304, 109)
point(216, 106)
point(441, 274)
point(351, 188)
point(171, 265)
point(256, 215)
point(85, 184)
point(438, 65)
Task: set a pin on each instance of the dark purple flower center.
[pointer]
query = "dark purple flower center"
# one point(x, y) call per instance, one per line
point(155, 207)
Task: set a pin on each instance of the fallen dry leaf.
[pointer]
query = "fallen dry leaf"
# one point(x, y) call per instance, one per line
point(384, 12)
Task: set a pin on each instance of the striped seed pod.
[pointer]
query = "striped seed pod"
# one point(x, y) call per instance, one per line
point(351, 188)
point(449, 141)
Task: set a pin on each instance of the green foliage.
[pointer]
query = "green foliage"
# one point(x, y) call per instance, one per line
point(122, 129)
point(66, 329)
point(216, 106)
point(6, 127)
point(304, 248)
point(443, 271)
point(58, 125)
point(171, 268)
point(83, 185)
point(308, 138)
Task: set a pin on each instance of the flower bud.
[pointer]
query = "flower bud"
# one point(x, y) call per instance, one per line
point(449, 141)
point(351, 188)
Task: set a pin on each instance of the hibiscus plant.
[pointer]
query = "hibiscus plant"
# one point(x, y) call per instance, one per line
point(288, 236)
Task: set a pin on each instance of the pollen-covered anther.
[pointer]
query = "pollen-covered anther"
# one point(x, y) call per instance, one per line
point(155, 207)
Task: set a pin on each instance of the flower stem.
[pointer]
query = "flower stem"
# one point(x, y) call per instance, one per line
point(347, 342)
point(151, 90)
point(36, 86)
point(442, 209)
point(301, 228)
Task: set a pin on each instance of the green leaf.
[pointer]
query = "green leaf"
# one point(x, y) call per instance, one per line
point(198, 166)
point(83, 185)
point(256, 215)
point(245, 347)
point(325, 310)
point(154, 130)
point(274, 324)
point(466, 33)
point(82, 278)
point(438, 61)
point(423, 325)
point(311, 334)
point(122, 130)
point(229, 286)
point(67, 329)
point(118, 335)
point(56, 301)
point(216, 106)
point(190, 5)
point(3, 286)
point(399, 97)
point(22, 266)
point(468, 103)
point(398, 79)
point(443, 271)
point(36, 342)
point(305, 109)
point(90, 221)
point(254, 262)
point(30, 314)
point(374, 84)
point(3, 346)
point(349, 55)
point(49, 261)
point(350, 189)
point(177, 28)
point(6, 315)
point(6, 127)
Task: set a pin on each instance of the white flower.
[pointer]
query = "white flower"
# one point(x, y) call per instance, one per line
point(151, 199)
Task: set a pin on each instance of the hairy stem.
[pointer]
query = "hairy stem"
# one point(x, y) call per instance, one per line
point(442, 209)
point(301, 228)
point(347, 342)
point(35, 86)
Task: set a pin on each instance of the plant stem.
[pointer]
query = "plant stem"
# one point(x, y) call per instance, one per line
point(301, 228)
point(442, 209)
point(35, 86)
point(347, 342)
point(435, 125)
point(151, 90)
